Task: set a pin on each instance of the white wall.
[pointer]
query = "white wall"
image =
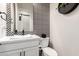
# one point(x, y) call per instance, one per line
point(2, 22)
point(64, 31)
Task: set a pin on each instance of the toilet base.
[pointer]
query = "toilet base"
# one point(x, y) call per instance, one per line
point(48, 52)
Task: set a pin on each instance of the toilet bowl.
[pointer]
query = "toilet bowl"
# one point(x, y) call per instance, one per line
point(47, 51)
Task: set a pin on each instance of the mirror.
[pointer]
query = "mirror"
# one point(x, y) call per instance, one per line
point(22, 17)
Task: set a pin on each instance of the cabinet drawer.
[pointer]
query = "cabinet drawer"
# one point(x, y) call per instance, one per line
point(13, 46)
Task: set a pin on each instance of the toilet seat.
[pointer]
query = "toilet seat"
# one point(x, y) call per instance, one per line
point(49, 51)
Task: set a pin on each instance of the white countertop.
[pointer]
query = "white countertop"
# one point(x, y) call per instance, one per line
point(18, 38)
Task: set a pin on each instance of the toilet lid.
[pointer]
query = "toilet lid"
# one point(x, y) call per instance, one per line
point(49, 51)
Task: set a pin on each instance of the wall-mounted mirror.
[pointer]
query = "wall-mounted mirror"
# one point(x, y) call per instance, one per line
point(22, 17)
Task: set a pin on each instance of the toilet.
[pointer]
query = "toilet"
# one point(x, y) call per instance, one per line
point(47, 51)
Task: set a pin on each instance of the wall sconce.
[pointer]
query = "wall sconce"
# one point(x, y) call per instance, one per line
point(2, 16)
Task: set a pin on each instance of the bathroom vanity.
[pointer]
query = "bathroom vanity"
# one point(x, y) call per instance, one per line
point(20, 46)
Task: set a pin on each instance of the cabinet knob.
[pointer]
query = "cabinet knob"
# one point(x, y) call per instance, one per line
point(0, 44)
point(24, 53)
point(20, 53)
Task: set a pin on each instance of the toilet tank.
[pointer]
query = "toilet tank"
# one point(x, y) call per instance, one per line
point(44, 42)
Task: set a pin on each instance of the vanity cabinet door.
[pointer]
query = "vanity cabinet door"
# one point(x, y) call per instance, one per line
point(34, 51)
point(11, 53)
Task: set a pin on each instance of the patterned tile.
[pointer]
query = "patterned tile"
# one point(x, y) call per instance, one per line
point(8, 23)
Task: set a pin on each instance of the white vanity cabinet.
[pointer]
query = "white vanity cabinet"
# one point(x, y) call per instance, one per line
point(22, 52)
point(20, 48)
